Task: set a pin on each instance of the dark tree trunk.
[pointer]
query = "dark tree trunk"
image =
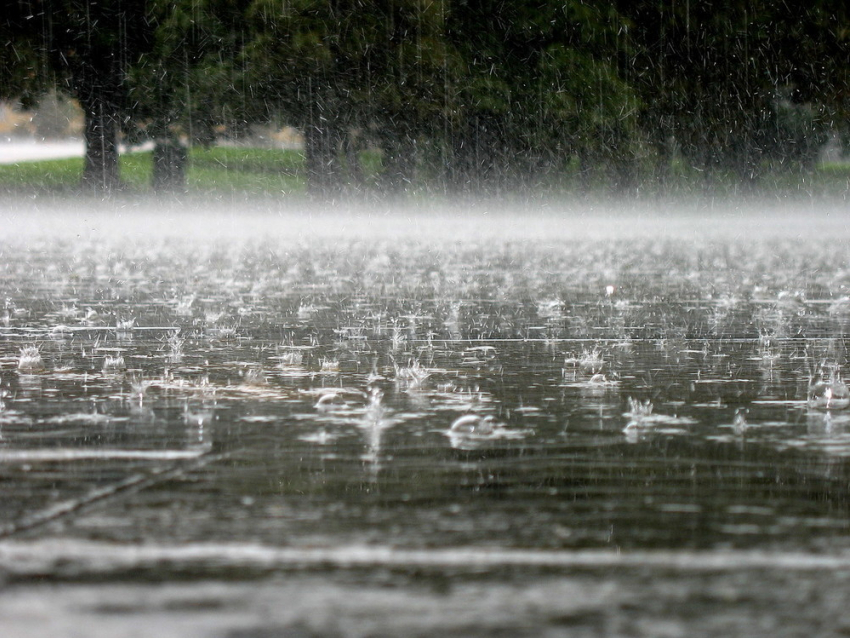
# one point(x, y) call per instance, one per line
point(585, 167)
point(169, 167)
point(321, 150)
point(101, 172)
point(460, 162)
point(659, 130)
point(478, 149)
point(399, 161)
point(743, 156)
point(98, 81)
point(351, 150)
point(663, 165)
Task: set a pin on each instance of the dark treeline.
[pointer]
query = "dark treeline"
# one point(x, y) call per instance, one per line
point(459, 95)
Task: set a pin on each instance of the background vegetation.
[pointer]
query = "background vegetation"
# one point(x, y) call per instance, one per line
point(393, 96)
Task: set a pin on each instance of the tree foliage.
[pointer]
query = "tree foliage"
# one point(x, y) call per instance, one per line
point(24, 70)
point(84, 48)
point(466, 95)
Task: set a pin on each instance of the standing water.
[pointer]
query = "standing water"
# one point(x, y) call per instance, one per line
point(410, 423)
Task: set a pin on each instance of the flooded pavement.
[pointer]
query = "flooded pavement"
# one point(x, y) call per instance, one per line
point(586, 425)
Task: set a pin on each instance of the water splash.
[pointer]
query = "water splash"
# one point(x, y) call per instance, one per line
point(30, 360)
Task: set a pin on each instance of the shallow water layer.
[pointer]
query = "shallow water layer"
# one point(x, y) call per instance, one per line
point(637, 603)
point(623, 392)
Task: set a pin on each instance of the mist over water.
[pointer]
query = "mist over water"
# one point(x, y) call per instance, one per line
point(504, 219)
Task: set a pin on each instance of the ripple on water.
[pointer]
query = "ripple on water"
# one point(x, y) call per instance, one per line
point(536, 386)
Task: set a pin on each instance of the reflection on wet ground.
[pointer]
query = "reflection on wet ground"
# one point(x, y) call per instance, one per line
point(505, 399)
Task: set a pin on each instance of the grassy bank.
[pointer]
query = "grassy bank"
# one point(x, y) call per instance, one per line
point(229, 171)
point(213, 171)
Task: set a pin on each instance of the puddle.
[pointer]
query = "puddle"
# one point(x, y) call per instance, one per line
point(453, 405)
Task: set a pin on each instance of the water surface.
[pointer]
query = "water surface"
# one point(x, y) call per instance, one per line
point(290, 382)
